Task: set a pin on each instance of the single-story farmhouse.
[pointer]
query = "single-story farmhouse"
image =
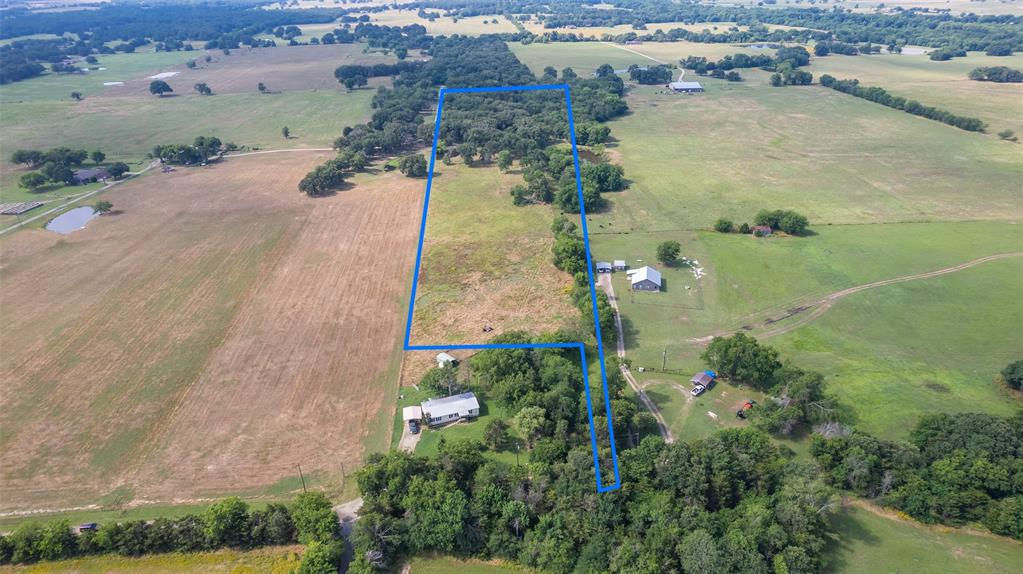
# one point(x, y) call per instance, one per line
point(89, 175)
point(602, 267)
point(685, 87)
point(451, 409)
point(645, 279)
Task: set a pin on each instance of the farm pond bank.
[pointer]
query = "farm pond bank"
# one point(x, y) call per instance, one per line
point(72, 220)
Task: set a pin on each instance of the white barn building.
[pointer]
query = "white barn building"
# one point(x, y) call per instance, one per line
point(645, 279)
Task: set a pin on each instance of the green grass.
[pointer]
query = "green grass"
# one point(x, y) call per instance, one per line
point(898, 352)
point(271, 560)
point(486, 261)
point(834, 158)
point(944, 85)
point(868, 543)
point(446, 565)
point(110, 514)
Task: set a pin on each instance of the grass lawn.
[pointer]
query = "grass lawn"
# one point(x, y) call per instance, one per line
point(446, 565)
point(489, 410)
point(868, 543)
point(271, 560)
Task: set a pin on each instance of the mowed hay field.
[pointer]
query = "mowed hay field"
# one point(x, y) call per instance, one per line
point(445, 25)
point(218, 331)
point(486, 262)
point(944, 85)
point(126, 121)
point(271, 560)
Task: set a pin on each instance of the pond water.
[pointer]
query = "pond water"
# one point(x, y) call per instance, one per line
point(73, 220)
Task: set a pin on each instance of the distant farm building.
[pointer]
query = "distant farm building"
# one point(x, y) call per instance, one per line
point(761, 230)
point(685, 87)
point(645, 279)
point(18, 208)
point(620, 265)
point(444, 359)
point(603, 267)
point(91, 174)
point(451, 409)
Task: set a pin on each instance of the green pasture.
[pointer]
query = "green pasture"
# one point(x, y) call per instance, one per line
point(128, 128)
point(742, 147)
point(585, 57)
point(898, 352)
point(270, 560)
point(447, 564)
point(944, 85)
point(865, 543)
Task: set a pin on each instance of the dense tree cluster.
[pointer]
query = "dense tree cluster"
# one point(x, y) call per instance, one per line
point(971, 32)
point(783, 220)
point(650, 75)
point(728, 503)
point(201, 150)
point(955, 469)
point(58, 165)
point(229, 523)
point(327, 178)
point(1000, 74)
point(783, 63)
point(1012, 374)
point(881, 96)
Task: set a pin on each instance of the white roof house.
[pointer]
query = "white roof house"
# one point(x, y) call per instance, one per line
point(685, 87)
point(451, 409)
point(411, 413)
point(620, 265)
point(645, 278)
point(444, 359)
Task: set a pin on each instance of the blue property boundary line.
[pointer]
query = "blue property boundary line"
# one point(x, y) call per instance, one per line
point(601, 487)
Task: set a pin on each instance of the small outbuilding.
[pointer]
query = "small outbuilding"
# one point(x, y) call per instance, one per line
point(761, 230)
point(451, 409)
point(620, 265)
point(645, 279)
point(685, 87)
point(411, 414)
point(603, 267)
point(702, 381)
point(444, 359)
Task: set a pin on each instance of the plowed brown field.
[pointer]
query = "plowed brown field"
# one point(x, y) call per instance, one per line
point(219, 331)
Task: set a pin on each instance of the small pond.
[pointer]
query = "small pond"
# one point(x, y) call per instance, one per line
point(72, 220)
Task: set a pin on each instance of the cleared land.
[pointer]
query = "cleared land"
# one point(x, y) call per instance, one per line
point(445, 564)
point(273, 560)
point(585, 57)
point(126, 121)
point(870, 540)
point(486, 262)
point(218, 332)
point(944, 85)
point(445, 25)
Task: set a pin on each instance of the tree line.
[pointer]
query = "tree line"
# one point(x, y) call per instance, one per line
point(1000, 74)
point(881, 96)
point(58, 165)
point(730, 503)
point(202, 149)
point(230, 523)
point(955, 469)
point(969, 31)
point(477, 128)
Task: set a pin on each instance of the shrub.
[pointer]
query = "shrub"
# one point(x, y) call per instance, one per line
point(723, 225)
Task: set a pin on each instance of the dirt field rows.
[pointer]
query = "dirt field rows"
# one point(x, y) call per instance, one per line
point(217, 332)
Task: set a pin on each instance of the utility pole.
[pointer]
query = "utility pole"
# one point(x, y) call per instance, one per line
point(664, 358)
point(302, 476)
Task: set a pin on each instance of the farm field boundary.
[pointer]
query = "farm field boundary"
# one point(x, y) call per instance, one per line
point(580, 346)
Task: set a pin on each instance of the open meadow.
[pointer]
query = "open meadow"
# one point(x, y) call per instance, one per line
point(126, 121)
point(444, 25)
point(486, 262)
point(214, 333)
point(270, 560)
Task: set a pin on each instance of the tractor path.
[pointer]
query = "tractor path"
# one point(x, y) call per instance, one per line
point(605, 283)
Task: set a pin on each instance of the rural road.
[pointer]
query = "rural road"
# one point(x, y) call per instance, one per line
point(605, 283)
point(152, 164)
point(634, 52)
